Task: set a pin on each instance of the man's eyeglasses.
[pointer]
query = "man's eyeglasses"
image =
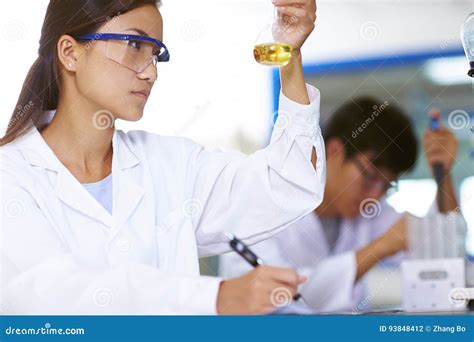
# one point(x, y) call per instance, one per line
point(134, 52)
point(374, 181)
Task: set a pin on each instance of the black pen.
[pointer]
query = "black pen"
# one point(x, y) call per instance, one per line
point(245, 252)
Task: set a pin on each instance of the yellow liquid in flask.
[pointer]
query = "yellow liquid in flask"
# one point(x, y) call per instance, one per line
point(274, 54)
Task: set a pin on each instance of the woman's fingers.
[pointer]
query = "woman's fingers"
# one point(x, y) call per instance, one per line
point(308, 4)
point(258, 291)
point(285, 276)
point(296, 12)
point(296, 19)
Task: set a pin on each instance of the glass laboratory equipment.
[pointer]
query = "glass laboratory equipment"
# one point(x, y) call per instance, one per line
point(467, 38)
point(270, 47)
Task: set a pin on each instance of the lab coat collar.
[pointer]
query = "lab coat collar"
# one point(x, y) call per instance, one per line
point(37, 152)
point(126, 193)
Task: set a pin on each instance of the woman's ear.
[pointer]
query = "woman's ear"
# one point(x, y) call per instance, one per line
point(69, 51)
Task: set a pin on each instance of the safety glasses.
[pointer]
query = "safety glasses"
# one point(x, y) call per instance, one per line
point(134, 52)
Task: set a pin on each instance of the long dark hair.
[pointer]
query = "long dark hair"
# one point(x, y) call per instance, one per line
point(40, 91)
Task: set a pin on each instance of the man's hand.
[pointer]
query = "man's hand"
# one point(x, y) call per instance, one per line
point(296, 21)
point(259, 291)
point(393, 241)
point(440, 147)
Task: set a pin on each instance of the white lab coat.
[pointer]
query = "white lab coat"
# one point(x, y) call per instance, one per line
point(304, 247)
point(63, 253)
point(332, 273)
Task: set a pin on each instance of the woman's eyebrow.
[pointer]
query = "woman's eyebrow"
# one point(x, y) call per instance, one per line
point(141, 32)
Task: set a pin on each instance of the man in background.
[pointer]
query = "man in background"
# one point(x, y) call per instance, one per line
point(369, 145)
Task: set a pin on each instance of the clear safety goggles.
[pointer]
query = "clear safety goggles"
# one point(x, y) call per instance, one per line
point(134, 52)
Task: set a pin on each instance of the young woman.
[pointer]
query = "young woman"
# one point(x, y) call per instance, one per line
point(96, 220)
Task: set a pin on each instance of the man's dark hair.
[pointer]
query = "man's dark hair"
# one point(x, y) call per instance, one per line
point(364, 124)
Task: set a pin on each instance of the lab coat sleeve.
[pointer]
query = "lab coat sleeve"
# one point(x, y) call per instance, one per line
point(330, 285)
point(257, 196)
point(39, 275)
